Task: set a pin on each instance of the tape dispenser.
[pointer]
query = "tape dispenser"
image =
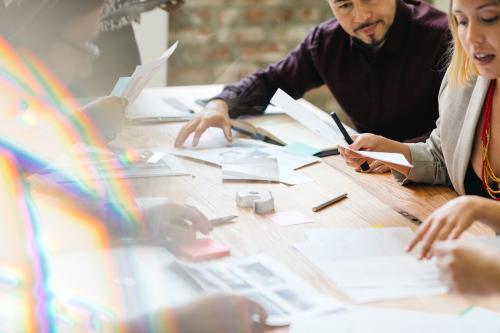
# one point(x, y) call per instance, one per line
point(262, 202)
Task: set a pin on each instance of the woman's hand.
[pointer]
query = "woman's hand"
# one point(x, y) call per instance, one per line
point(372, 142)
point(469, 268)
point(447, 222)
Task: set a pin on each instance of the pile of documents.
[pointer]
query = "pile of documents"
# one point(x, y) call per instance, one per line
point(370, 264)
point(95, 163)
point(246, 159)
point(283, 294)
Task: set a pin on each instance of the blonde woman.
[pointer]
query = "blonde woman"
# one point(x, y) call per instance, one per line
point(463, 150)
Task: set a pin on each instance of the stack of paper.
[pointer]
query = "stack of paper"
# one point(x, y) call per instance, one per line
point(245, 159)
point(371, 264)
point(283, 294)
point(134, 163)
point(364, 320)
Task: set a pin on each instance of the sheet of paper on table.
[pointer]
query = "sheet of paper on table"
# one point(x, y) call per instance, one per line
point(371, 264)
point(108, 164)
point(150, 106)
point(216, 150)
point(362, 320)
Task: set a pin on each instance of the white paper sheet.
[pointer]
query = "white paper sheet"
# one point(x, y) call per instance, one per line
point(370, 264)
point(130, 88)
point(364, 320)
point(327, 131)
point(347, 243)
point(156, 163)
point(251, 168)
point(216, 150)
point(483, 317)
point(151, 106)
point(393, 158)
point(389, 271)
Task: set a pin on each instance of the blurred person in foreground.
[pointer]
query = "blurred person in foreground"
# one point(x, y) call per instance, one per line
point(44, 46)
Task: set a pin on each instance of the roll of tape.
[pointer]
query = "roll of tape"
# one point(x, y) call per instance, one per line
point(262, 202)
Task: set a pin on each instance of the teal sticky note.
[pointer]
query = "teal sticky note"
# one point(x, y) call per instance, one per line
point(300, 149)
point(120, 86)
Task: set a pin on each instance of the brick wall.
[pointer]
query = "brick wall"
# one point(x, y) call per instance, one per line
point(224, 40)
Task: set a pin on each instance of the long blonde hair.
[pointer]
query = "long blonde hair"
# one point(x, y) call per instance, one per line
point(461, 69)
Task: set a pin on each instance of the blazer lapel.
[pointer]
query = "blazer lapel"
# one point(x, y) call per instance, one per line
point(463, 149)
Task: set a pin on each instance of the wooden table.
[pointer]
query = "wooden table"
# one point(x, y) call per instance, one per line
point(373, 201)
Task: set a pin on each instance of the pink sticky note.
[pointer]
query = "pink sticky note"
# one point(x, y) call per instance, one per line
point(202, 249)
point(290, 218)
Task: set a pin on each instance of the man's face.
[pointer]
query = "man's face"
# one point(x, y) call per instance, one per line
point(366, 20)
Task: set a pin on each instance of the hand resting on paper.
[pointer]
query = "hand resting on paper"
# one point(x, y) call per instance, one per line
point(452, 219)
point(469, 268)
point(215, 114)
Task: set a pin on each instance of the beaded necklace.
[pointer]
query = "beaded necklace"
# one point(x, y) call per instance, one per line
point(487, 175)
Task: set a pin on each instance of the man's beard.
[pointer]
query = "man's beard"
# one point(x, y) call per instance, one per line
point(374, 43)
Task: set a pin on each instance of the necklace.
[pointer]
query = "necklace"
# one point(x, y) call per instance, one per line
point(487, 174)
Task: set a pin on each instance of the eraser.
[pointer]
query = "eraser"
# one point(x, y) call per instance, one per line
point(202, 249)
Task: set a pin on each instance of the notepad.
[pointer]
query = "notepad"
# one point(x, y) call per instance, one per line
point(202, 249)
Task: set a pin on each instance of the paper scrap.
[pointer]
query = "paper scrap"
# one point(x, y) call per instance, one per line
point(300, 149)
point(290, 218)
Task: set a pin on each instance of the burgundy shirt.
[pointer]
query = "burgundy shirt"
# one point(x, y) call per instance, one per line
point(392, 92)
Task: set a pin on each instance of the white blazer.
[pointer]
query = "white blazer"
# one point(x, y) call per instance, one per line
point(444, 157)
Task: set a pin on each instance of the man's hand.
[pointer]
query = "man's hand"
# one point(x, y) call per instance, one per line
point(215, 114)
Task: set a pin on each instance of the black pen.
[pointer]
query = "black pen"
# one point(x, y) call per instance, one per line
point(365, 166)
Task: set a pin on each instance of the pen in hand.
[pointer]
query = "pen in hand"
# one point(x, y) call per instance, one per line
point(365, 166)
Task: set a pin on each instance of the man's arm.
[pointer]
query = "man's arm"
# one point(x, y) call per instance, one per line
point(295, 74)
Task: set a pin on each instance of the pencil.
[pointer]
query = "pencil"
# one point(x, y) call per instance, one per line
point(329, 202)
